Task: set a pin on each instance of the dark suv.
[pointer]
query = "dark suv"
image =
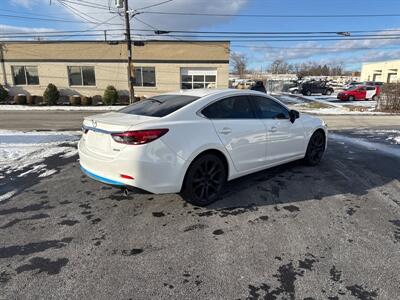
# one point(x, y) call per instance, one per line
point(315, 87)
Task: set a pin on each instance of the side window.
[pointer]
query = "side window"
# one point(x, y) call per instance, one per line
point(370, 88)
point(269, 109)
point(230, 108)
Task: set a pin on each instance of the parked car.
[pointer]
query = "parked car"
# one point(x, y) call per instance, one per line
point(373, 83)
point(194, 141)
point(352, 84)
point(294, 90)
point(316, 87)
point(360, 92)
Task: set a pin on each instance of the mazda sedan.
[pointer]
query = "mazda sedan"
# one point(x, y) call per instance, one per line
point(193, 142)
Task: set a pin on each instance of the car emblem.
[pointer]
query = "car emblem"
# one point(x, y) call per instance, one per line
point(94, 123)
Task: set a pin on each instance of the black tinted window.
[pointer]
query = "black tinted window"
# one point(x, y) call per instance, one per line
point(230, 108)
point(269, 109)
point(158, 106)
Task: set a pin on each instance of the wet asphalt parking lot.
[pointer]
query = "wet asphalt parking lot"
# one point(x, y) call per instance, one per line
point(291, 232)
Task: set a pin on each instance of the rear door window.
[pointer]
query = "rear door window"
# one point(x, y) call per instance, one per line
point(158, 106)
point(236, 107)
point(269, 109)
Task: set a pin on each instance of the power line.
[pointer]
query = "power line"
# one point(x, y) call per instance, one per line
point(43, 15)
point(270, 15)
point(47, 19)
point(88, 4)
point(280, 32)
point(78, 13)
point(179, 37)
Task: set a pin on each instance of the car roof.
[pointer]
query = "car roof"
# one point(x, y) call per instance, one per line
point(207, 92)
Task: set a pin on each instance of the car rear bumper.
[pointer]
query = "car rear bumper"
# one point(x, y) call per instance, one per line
point(154, 167)
point(102, 179)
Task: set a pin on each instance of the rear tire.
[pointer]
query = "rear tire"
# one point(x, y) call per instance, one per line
point(308, 93)
point(374, 98)
point(351, 98)
point(328, 92)
point(315, 148)
point(204, 180)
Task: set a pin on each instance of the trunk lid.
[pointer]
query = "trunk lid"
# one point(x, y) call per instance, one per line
point(100, 127)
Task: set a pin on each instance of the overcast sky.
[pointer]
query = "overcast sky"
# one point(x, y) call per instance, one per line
point(351, 53)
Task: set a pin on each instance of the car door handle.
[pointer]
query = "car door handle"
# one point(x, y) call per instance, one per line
point(273, 129)
point(225, 130)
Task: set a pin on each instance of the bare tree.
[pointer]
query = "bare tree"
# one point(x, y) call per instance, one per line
point(239, 63)
point(279, 66)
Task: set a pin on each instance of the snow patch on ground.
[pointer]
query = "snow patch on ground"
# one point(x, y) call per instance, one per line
point(48, 173)
point(394, 139)
point(333, 106)
point(390, 150)
point(7, 195)
point(337, 111)
point(20, 150)
point(62, 107)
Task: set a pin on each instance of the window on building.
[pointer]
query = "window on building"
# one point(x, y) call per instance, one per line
point(198, 79)
point(81, 76)
point(25, 75)
point(145, 76)
point(392, 76)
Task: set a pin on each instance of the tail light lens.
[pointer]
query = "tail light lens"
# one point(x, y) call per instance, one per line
point(138, 137)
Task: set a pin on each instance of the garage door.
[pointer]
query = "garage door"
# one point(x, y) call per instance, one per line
point(196, 78)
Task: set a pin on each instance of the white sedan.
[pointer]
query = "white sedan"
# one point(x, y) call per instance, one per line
point(194, 141)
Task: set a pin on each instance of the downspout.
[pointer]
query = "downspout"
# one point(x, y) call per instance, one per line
point(3, 66)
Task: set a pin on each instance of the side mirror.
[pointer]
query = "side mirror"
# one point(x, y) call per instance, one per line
point(294, 114)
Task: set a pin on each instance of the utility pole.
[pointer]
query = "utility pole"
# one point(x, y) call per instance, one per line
point(3, 68)
point(129, 48)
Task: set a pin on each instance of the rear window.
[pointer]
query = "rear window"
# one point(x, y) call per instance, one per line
point(158, 106)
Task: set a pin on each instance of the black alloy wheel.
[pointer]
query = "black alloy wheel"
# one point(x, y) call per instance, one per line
point(315, 149)
point(204, 180)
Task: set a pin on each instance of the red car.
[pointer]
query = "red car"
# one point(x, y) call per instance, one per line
point(361, 92)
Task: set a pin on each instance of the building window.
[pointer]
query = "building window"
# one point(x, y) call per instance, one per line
point(81, 76)
point(392, 76)
point(25, 75)
point(145, 76)
point(198, 79)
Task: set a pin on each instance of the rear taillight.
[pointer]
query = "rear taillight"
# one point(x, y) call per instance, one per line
point(138, 137)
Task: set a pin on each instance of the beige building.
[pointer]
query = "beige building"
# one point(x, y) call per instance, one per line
point(385, 71)
point(88, 67)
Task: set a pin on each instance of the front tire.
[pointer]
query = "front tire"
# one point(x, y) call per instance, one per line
point(204, 180)
point(315, 148)
point(308, 93)
point(374, 98)
point(351, 98)
point(328, 92)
